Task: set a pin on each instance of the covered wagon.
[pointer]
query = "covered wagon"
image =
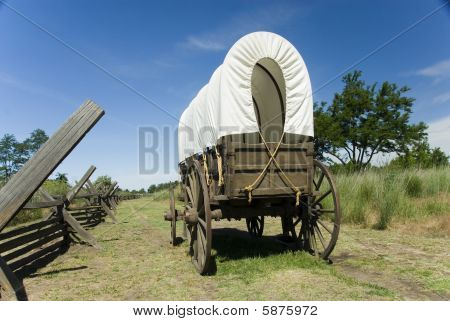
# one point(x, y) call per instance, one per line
point(246, 151)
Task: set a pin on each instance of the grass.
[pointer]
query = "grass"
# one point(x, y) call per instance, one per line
point(393, 245)
point(138, 263)
point(379, 197)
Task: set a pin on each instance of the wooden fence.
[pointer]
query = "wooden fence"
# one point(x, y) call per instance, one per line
point(25, 248)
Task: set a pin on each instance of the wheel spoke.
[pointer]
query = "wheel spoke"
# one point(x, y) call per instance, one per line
point(202, 222)
point(202, 239)
point(319, 182)
point(191, 183)
point(324, 226)
point(297, 221)
point(191, 197)
point(319, 233)
point(313, 241)
point(321, 198)
point(322, 210)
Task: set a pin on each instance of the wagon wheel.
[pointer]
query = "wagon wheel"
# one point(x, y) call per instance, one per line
point(173, 222)
point(319, 218)
point(255, 225)
point(198, 208)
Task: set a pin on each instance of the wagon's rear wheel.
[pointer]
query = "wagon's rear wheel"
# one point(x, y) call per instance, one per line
point(255, 225)
point(173, 222)
point(317, 225)
point(199, 210)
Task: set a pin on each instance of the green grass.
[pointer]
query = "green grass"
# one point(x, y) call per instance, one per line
point(137, 262)
point(381, 196)
point(378, 197)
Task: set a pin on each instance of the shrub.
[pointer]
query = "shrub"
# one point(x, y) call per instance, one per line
point(25, 216)
point(56, 187)
point(388, 200)
point(413, 185)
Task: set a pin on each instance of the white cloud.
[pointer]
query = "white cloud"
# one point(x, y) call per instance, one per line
point(439, 134)
point(204, 44)
point(225, 35)
point(438, 70)
point(442, 98)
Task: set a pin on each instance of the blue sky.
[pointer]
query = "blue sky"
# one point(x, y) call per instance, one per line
point(167, 50)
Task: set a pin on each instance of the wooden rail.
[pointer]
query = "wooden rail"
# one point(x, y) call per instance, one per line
point(23, 245)
point(19, 189)
point(70, 215)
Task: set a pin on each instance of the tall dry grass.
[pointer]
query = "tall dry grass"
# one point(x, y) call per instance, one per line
point(376, 197)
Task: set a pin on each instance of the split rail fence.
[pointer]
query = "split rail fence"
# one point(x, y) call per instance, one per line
point(24, 249)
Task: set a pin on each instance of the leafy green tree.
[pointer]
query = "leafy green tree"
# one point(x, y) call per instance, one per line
point(14, 154)
point(62, 177)
point(37, 138)
point(365, 120)
point(7, 149)
point(151, 188)
point(421, 156)
point(103, 182)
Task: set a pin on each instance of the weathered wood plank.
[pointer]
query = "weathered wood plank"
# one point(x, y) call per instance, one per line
point(23, 250)
point(80, 208)
point(22, 240)
point(46, 195)
point(28, 228)
point(110, 189)
point(36, 255)
point(85, 235)
point(9, 281)
point(45, 204)
point(19, 189)
point(115, 190)
point(87, 195)
point(74, 191)
point(108, 211)
point(91, 187)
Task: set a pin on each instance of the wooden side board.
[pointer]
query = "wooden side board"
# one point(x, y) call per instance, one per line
point(19, 189)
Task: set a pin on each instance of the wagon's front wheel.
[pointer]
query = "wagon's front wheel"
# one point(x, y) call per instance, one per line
point(173, 222)
point(255, 225)
point(198, 211)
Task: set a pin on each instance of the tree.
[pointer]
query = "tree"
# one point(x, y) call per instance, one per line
point(421, 156)
point(37, 138)
point(151, 189)
point(103, 182)
point(363, 121)
point(62, 177)
point(7, 150)
point(14, 154)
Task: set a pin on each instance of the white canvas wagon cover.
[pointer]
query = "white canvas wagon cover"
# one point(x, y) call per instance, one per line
point(224, 106)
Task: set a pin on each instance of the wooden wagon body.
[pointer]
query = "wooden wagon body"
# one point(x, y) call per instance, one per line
point(264, 168)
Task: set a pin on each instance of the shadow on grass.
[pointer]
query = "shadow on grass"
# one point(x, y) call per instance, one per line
point(40, 262)
point(234, 244)
point(58, 271)
point(238, 253)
